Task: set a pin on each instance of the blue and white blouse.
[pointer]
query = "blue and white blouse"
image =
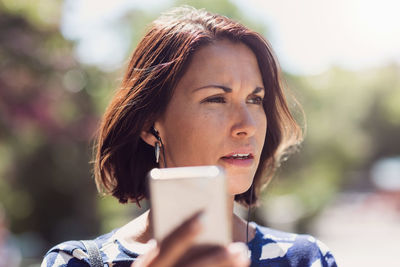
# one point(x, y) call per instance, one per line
point(269, 248)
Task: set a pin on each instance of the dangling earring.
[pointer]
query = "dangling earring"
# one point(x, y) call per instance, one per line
point(157, 151)
point(158, 145)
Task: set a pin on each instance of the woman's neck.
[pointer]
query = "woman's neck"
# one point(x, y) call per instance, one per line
point(140, 229)
point(239, 226)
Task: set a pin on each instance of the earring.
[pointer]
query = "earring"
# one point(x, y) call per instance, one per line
point(157, 151)
point(157, 144)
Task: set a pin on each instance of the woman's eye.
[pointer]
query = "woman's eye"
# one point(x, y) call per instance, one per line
point(216, 99)
point(258, 100)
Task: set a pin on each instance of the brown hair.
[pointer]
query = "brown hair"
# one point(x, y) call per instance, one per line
point(123, 159)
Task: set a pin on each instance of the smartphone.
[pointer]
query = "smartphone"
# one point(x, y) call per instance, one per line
point(178, 193)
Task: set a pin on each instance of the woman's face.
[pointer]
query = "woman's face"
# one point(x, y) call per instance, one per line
point(216, 116)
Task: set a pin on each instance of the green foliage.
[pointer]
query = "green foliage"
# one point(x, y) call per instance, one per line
point(46, 125)
point(352, 121)
point(40, 13)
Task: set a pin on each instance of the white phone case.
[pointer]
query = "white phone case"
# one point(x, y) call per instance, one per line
point(177, 193)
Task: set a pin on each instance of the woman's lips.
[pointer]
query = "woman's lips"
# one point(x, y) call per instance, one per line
point(239, 161)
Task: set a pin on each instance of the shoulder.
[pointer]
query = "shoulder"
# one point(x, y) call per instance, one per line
point(287, 249)
point(74, 253)
point(70, 253)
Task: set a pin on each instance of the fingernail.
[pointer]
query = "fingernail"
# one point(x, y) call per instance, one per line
point(198, 217)
point(152, 243)
point(199, 214)
point(201, 218)
point(239, 248)
point(197, 224)
point(242, 253)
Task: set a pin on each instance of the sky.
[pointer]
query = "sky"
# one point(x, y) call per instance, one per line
point(308, 36)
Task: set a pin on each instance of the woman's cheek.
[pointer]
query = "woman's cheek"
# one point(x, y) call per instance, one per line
point(216, 117)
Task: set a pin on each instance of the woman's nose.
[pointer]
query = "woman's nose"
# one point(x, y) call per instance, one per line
point(244, 124)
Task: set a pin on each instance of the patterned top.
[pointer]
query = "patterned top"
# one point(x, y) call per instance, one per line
point(269, 248)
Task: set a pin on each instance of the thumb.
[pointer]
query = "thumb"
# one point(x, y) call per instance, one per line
point(151, 251)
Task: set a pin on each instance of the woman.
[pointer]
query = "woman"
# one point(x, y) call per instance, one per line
point(206, 91)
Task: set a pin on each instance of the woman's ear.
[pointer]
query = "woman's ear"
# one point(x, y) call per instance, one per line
point(148, 137)
point(150, 134)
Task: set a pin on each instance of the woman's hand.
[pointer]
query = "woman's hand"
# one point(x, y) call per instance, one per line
point(173, 251)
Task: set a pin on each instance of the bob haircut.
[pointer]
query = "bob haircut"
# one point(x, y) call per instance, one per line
point(123, 159)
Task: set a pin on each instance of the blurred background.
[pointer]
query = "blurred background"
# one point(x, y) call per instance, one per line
point(61, 61)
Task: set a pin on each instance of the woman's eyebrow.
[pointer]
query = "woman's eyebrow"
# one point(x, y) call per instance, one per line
point(227, 89)
point(258, 89)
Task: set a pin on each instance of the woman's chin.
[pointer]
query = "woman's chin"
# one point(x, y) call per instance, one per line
point(239, 183)
point(238, 186)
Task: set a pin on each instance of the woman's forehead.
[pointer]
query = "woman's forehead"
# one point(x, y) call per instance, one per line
point(223, 62)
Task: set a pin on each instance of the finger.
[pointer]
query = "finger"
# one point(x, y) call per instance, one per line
point(149, 256)
point(179, 241)
point(224, 257)
point(241, 252)
point(219, 258)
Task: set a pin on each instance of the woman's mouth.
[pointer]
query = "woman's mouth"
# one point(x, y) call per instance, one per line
point(239, 159)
